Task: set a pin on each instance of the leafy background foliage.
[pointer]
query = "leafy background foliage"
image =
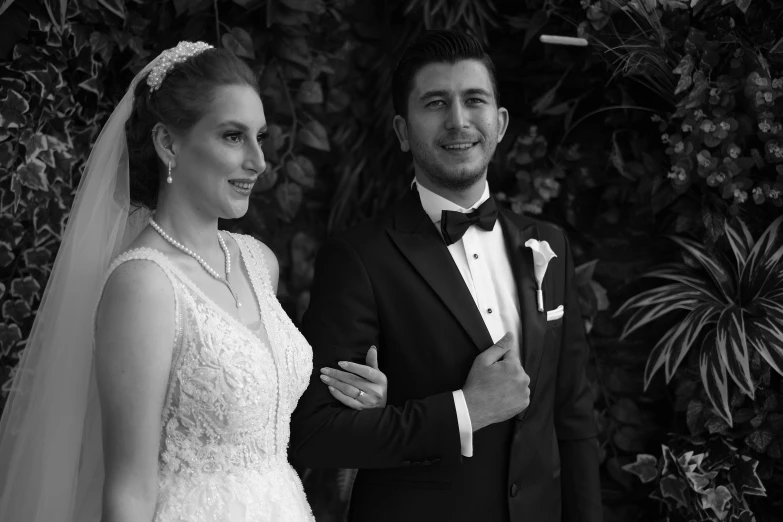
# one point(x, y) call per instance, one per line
point(667, 125)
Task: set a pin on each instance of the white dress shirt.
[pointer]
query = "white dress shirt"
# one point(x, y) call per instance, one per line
point(483, 261)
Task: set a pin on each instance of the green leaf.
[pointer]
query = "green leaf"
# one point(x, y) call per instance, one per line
point(303, 250)
point(180, 6)
point(311, 6)
point(289, 197)
point(682, 274)
point(762, 261)
point(12, 110)
point(765, 334)
point(738, 245)
point(16, 310)
point(743, 4)
point(693, 416)
point(645, 467)
point(313, 134)
point(722, 277)
point(6, 254)
point(545, 101)
point(647, 315)
point(777, 48)
point(657, 302)
point(115, 6)
point(657, 357)
point(674, 488)
point(33, 175)
point(7, 155)
point(266, 180)
point(700, 481)
point(91, 85)
point(716, 499)
point(584, 272)
point(744, 477)
point(669, 461)
point(714, 377)
point(294, 50)
point(10, 334)
point(687, 333)
point(5, 4)
point(103, 45)
point(276, 136)
point(337, 100)
point(301, 170)
point(714, 222)
point(37, 258)
point(310, 92)
point(616, 472)
point(716, 425)
point(759, 440)
point(671, 5)
point(629, 439)
point(685, 70)
point(733, 348)
point(27, 289)
point(291, 18)
point(239, 42)
point(625, 411)
point(34, 143)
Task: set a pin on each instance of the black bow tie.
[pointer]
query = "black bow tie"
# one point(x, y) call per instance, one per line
point(453, 224)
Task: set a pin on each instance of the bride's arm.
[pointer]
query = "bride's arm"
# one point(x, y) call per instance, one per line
point(134, 333)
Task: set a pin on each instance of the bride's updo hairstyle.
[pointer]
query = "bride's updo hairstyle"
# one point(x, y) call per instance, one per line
point(179, 103)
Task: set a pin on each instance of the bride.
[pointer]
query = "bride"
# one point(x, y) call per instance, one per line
point(180, 408)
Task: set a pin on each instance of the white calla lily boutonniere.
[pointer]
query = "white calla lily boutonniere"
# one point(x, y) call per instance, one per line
point(542, 254)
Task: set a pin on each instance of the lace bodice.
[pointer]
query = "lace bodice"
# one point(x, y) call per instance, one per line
point(226, 418)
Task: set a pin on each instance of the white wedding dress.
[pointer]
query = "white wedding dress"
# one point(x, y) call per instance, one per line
point(226, 419)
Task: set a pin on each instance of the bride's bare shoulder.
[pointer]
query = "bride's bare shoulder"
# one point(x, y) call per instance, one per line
point(139, 284)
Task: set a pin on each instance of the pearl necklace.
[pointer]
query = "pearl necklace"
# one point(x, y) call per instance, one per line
point(200, 260)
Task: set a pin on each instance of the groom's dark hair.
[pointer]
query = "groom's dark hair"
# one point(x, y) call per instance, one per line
point(434, 46)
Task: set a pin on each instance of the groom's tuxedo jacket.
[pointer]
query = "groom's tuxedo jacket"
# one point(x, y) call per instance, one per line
point(392, 283)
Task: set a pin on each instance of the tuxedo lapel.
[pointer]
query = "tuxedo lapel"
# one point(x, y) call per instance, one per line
point(419, 241)
point(533, 321)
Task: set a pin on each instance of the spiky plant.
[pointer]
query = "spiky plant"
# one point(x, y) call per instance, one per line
point(732, 308)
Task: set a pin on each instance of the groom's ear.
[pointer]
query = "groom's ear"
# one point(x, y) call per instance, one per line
point(401, 130)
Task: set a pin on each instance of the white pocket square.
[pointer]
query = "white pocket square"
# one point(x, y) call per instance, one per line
point(555, 314)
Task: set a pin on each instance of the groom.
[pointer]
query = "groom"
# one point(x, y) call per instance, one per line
point(475, 429)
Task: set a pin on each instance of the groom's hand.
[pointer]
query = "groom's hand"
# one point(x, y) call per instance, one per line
point(497, 387)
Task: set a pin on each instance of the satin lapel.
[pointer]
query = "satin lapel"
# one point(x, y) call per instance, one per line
point(419, 241)
point(533, 321)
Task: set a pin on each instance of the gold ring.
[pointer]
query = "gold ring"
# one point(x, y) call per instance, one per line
point(360, 395)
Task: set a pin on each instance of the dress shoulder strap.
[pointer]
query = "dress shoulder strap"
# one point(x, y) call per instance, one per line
point(252, 251)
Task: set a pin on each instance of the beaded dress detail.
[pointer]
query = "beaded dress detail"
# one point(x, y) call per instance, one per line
point(226, 418)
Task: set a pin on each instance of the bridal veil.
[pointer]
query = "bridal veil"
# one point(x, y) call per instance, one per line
point(51, 455)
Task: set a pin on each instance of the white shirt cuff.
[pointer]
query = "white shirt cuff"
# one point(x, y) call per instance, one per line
point(465, 426)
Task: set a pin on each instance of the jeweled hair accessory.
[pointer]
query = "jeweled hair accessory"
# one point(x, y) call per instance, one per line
point(170, 57)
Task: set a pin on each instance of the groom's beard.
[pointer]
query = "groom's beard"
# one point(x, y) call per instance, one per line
point(454, 178)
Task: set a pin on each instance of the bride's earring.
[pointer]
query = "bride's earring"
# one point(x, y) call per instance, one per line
point(169, 179)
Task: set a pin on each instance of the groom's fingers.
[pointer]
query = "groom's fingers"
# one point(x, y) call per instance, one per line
point(497, 351)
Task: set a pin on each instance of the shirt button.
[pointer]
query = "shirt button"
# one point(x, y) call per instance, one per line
point(475, 256)
point(514, 490)
point(489, 310)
